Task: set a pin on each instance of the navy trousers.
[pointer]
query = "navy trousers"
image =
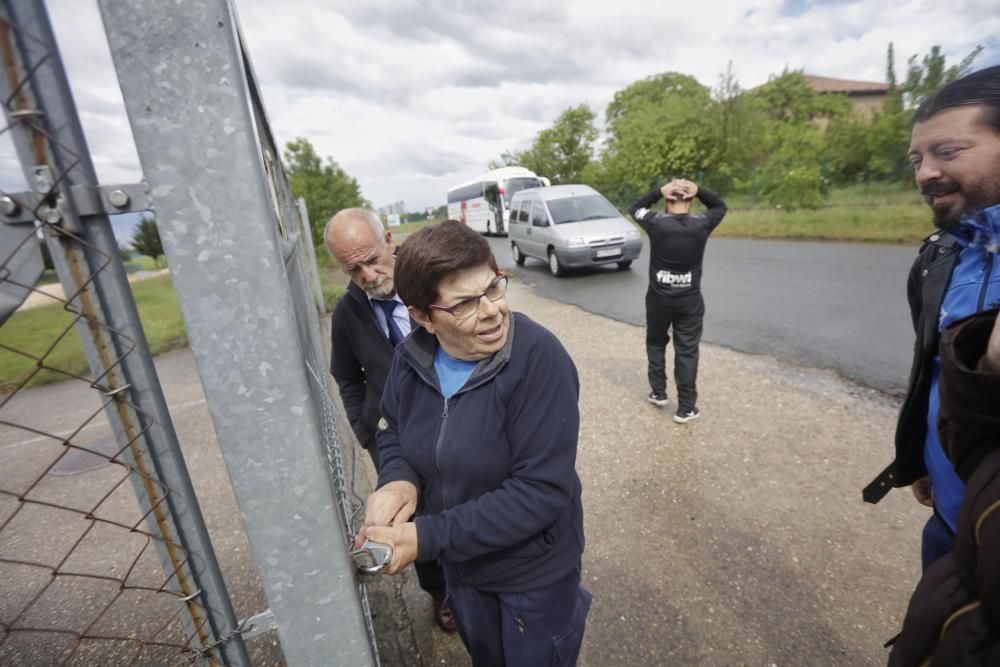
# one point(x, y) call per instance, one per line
point(535, 628)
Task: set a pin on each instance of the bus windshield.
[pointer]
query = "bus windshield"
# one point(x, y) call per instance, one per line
point(516, 185)
point(584, 207)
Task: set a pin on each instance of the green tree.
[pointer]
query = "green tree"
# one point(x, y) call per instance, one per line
point(741, 125)
point(146, 239)
point(564, 150)
point(847, 149)
point(659, 127)
point(789, 97)
point(793, 138)
point(928, 75)
point(560, 152)
point(324, 185)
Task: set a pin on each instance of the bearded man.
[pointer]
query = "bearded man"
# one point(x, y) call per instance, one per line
point(955, 153)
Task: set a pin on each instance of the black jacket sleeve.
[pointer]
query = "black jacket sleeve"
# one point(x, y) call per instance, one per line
point(914, 289)
point(640, 210)
point(349, 375)
point(716, 207)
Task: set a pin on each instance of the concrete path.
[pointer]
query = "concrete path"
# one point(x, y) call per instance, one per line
point(45, 295)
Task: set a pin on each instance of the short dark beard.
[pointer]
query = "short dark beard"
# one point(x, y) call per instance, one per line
point(978, 197)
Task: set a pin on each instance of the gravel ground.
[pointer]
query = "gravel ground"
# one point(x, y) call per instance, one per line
point(737, 539)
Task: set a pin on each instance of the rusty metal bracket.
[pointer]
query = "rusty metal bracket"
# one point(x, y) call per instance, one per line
point(26, 207)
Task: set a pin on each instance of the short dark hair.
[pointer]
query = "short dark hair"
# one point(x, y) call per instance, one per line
point(434, 253)
point(980, 88)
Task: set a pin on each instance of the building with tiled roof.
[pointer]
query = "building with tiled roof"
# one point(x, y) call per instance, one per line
point(866, 96)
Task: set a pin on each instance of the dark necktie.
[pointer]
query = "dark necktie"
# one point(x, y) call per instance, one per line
point(395, 335)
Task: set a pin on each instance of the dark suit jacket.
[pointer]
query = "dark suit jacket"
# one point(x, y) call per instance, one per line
point(359, 360)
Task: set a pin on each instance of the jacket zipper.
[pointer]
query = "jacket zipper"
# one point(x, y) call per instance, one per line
point(437, 450)
point(986, 282)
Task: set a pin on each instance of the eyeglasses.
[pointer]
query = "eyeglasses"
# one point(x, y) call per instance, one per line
point(466, 308)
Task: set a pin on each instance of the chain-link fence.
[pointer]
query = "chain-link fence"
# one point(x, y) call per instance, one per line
point(104, 555)
point(97, 568)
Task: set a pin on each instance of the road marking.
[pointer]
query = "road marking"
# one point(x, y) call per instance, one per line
point(62, 434)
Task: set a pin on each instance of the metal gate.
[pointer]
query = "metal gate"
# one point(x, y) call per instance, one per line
point(77, 556)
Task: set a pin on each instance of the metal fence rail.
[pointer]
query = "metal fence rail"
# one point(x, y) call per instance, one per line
point(241, 261)
point(92, 572)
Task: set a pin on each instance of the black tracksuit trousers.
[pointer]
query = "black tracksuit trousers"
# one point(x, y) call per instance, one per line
point(684, 316)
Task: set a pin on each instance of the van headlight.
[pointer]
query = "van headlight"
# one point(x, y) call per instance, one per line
point(575, 243)
point(632, 234)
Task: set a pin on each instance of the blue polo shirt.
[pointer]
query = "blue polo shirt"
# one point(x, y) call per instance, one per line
point(452, 373)
point(974, 286)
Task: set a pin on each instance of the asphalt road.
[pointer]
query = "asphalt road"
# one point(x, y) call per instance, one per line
point(824, 305)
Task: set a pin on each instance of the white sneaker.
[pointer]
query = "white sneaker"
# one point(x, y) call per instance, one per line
point(685, 417)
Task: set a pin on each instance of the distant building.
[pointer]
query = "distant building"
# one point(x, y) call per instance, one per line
point(865, 96)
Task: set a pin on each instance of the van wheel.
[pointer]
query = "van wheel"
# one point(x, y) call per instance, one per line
point(518, 255)
point(625, 265)
point(554, 266)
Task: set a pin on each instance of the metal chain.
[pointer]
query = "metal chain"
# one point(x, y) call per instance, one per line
point(332, 413)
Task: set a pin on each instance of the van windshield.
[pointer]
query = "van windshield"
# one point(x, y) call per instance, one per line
point(584, 207)
point(516, 185)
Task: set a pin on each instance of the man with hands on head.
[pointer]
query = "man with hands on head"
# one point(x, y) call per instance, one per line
point(674, 302)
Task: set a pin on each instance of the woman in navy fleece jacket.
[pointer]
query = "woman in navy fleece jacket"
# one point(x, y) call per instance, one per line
point(478, 442)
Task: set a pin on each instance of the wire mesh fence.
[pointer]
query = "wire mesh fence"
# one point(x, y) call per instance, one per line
point(75, 551)
point(104, 555)
point(94, 567)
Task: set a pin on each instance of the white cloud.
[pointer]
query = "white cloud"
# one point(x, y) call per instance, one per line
point(411, 97)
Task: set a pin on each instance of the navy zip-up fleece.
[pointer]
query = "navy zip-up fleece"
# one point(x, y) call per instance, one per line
point(494, 465)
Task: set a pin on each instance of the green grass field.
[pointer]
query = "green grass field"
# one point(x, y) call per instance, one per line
point(872, 194)
point(34, 331)
point(897, 223)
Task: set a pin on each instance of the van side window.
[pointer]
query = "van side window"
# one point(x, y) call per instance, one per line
point(515, 211)
point(538, 218)
point(524, 214)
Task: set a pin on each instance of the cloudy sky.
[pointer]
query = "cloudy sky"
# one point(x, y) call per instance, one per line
point(412, 97)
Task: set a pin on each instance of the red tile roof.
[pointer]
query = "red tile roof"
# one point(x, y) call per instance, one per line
point(826, 84)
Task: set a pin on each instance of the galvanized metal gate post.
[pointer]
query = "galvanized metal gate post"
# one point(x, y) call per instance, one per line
point(223, 216)
point(66, 197)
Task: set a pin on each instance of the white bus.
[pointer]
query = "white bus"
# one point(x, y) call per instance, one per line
point(484, 202)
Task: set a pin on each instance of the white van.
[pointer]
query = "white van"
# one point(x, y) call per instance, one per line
point(570, 226)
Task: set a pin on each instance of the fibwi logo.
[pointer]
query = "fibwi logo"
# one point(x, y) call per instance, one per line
point(674, 279)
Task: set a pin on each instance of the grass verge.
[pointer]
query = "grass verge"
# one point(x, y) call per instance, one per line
point(34, 331)
point(898, 223)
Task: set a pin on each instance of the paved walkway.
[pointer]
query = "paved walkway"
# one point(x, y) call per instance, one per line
point(738, 539)
point(45, 295)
